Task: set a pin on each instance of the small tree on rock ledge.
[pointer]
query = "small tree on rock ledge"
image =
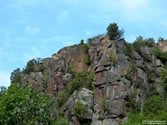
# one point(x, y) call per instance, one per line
point(113, 32)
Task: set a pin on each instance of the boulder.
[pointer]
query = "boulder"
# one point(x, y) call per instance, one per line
point(85, 96)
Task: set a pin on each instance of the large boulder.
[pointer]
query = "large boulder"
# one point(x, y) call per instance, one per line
point(85, 97)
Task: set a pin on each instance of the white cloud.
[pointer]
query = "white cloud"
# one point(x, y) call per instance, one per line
point(4, 79)
point(31, 29)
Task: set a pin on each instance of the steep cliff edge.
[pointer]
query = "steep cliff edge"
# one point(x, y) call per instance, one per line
point(99, 82)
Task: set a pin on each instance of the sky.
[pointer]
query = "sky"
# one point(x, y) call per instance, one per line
point(39, 28)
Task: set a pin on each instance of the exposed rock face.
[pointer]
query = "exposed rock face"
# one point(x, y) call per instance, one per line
point(85, 96)
point(163, 45)
point(116, 79)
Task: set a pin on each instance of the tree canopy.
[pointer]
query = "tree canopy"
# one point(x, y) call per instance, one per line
point(24, 105)
point(113, 32)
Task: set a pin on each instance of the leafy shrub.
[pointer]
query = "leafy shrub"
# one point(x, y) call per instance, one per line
point(94, 40)
point(89, 81)
point(131, 103)
point(24, 105)
point(105, 106)
point(112, 57)
point(161, 39)
point(161, 55)
point(130, 72)
point(155, 108)
point(61, 121)
point(82, 79)
point(31, 66)
point(70, 68)
point(2, 90)
point(154, 105)
point(87, 60)
point(163, 76)
point(139, 42)
point(86, 47)
point(113, 32)
point(129, 49)
point(16, 76)
point(135, 119)
point(61, 98)
point(79, 110)
point(82, 42)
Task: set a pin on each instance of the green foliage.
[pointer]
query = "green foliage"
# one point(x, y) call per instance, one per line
point(147, 58)
point(130, 103)
point(155, 105)
point(61, 98)
point(22, 105)
point(87, 60)
point(2, 90)
point(163, 76)
point(83, 45)
point(94, 40)
point(130, 72)
point(129, 49)
point(82, 42)
point(89, 81)
point(112, 57)
point(155, 108)
point(105, 106)
point(79, 110)
point(31, 66)
point(135, 119)
point(61, 121)
point(18, 78)
point(139, 42)
point(113, 32)
point(160, 39)
point(161, 55)
point(70, 68)
point(82, 80)
point(86, 47)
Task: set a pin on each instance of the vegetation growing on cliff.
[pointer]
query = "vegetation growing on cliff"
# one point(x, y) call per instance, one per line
point(113, 32)
point(23, 104)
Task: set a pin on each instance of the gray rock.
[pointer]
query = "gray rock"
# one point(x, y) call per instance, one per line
point(159, 63)
point(67, 77)
point(110, 122)
point(111, 77)
point(123, 61)
point(160, 90)
point(146, 51)
point(120, 46)
point(97, 122)
point(85, 96)
point(117, 107)
point(136, 56)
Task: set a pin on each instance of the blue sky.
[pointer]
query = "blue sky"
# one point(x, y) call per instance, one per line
point(39, 28)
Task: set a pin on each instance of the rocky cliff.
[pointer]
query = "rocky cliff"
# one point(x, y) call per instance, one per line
point(99, 82)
